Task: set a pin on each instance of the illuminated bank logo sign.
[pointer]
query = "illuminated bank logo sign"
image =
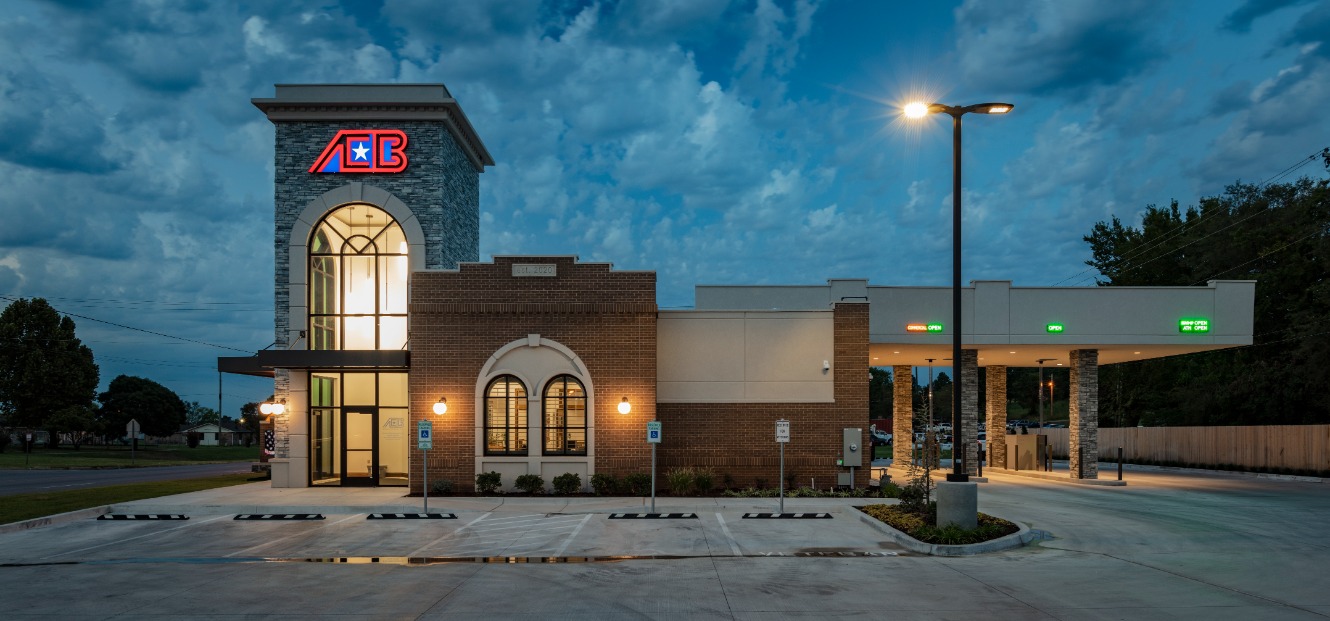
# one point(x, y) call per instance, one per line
point(923, 327)
point(1055, 328)
point(363, 151)
point(1193, 326)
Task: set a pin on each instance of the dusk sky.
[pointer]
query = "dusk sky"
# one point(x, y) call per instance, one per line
point(715, 143)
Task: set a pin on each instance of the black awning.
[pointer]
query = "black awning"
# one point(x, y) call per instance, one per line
point(267, 360)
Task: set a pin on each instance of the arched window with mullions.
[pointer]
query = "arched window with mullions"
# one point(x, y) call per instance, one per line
point(358, 269)
point(565, 417)
point(505, 417)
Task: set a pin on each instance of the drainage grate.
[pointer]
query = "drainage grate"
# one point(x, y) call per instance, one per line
point(279, 516)
point(653, 516)
point(411, 516)
point(149, 516)
point(787, 516)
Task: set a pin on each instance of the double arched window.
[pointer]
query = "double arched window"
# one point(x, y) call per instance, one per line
point(565, 417)
point(358, 272)
point(505, 417)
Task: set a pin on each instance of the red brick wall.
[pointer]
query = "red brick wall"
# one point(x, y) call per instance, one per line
point(738, 439)
point(459, 319)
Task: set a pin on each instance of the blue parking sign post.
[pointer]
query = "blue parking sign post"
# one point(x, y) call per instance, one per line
point(424, 442)
point(653, 438)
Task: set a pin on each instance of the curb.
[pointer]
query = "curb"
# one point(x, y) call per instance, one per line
point(1057, 477)
point(50, 520)
point(1007, 542)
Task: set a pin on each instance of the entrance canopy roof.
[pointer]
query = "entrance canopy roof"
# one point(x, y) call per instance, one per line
point(1017, 326)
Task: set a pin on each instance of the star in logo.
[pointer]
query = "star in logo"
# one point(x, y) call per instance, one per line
point(361, 151)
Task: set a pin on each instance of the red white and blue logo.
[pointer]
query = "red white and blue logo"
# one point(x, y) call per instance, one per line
point(363, 151)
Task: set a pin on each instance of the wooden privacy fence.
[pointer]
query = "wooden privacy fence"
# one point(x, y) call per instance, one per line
point(1293, 447)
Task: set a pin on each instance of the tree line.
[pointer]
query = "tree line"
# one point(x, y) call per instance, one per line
point(49, 379)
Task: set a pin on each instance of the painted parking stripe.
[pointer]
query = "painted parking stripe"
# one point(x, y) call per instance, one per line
point(572, 536)
point(417, 551)
point(734, 545)
point(411, 516)
point(152, 534)
point(143, 516)
point(653, 516)
point(288, 537)
point(280, 516)
point(787, 516)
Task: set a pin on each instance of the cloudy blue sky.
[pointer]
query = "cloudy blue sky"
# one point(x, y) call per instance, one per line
point(752, 141)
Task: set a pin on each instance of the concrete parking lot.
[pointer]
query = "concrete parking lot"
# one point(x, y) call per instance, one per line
point(1171, 545)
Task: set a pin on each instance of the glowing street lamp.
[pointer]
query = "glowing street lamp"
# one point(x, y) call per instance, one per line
point(918, 110)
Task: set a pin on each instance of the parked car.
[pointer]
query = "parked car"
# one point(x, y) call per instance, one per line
point(879, 438)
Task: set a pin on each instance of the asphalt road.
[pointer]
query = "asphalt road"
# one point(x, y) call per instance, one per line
point(1168, 546)
point(30, 481)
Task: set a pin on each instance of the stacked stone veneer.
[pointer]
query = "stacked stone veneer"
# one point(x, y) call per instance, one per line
point(738, 439)
point(440, 185)
point(969, 395)
point(604, 317)
point(1084, 424)
point(902, 415)
point(996, 414)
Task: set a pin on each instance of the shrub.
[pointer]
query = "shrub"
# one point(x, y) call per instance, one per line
point(704, 480)
point(441, 486)
point(638, 484)
point(488, 482)
point(193, 438)
point(680, 481)
point(604, 484)
point(567, 483)
point(530, 483)
point(728, 480)
point(889, 490)
point(789, 479)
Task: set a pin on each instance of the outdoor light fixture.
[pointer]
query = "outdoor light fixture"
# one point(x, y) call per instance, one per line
point(917, 110)
point(441, 407)
point(270, 407)
point(624, 406)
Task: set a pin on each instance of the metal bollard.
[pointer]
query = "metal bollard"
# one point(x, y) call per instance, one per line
point(1119, 463)
point(1080, 462)
point(979, 456)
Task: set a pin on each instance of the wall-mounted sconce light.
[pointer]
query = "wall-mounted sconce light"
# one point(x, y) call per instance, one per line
point(441, 407)
point(624, 406)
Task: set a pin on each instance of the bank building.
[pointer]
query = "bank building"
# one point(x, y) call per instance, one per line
point(386, 318)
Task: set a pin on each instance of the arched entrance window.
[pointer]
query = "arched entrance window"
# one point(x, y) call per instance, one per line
point(358, 272)
point(565, 417)
point(505, 417)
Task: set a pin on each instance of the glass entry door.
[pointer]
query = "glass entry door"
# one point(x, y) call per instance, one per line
point(359, 452)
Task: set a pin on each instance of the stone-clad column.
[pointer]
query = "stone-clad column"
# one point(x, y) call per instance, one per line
point(996, 410)
point(902, 415)
point(1084, 406)
point(969, 385)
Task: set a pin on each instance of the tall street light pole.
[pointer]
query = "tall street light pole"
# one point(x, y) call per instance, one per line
point(919, 110)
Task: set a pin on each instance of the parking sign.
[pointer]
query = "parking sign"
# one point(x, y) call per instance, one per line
point(653, 432)
point(424, 437)
point(783, 431)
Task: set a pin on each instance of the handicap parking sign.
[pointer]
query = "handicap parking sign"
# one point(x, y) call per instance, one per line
point(653, 432)
point(424, 441)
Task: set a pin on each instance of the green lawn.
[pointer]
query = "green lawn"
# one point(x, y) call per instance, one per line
point(21, 507)
point(119, 457)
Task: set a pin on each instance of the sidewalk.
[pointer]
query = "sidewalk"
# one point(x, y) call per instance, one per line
point(262, 498)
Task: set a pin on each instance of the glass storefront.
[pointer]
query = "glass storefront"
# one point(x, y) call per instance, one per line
point(358, 424)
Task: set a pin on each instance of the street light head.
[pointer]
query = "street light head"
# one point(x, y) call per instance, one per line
point(992, 108)
point(915, 110)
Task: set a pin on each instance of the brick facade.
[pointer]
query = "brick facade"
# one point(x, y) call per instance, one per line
point(738, 439)
point(460, 318)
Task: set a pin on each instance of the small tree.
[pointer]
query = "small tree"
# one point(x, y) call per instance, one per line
point(157, 409)
point(44, 368)
point(76, 423)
